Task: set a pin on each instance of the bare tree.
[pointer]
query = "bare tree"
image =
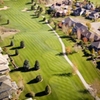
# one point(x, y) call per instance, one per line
point(96, 87)
point(78, 33)
point(1, 2)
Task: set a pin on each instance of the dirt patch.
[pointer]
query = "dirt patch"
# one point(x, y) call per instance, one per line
point(25, 10)
point(5, 32)
point(4, 8)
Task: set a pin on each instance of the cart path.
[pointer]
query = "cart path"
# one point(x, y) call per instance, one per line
point(87, 86)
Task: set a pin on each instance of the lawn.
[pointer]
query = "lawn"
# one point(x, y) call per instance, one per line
point(41, 44)
point(89, 71)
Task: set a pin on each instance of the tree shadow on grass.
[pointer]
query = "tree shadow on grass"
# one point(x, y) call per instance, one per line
point(13, 55)
point(33, 15)
point(44, 23)
point(64, 74)
point(64, 36)
point(39, 94)
point(85, 91)
point(50, 30)
point(32, 81)
point(98, 65)
point(4, 24)
point(60, 54)
point(22, 69)
point(28, 3)
point(88, 59)
point(13, 48)
point(8, 45)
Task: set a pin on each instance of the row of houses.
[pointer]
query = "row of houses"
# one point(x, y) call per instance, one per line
point(7, 86)
point(79, 28)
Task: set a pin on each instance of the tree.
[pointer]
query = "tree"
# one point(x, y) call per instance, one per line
point(69, 11)
point(93, 54)
point(32, 1)
point(26, 65)
point(11, 43)
point(55, 25)
point(49, 20)
point(38, 14)
point(36, 66)
point(5, 49)
point(44, 19)
point(16, 52)
point(47, 89)
point(96, 87)
point(98, 52)
point(78, 33)
point(1, 1)
point(68, 50)
point(92, 51)
point(8, 21)
point(85, 40)
point(32, 7)
point(22, 45)
point(88, 25)
point(38, 78)
point(69, 31)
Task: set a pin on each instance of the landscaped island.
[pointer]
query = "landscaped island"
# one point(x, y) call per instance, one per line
point(36, 59)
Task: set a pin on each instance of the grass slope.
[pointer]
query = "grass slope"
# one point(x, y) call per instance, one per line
point(40, 44)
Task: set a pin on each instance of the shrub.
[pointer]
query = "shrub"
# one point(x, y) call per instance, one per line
point(47, 89)
point(11, 43)
point(26, 65)
point(36, 66)
point(22, 45)
point(7, 21)
point(38, 78)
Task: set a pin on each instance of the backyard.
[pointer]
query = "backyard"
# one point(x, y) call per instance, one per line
point(41, 44)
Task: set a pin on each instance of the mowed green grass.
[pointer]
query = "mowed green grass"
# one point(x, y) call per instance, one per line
point(40, 44)
point(89, 71)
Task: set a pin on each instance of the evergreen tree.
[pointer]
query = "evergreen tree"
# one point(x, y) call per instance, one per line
point(22, 45)
point(36, 66)
point(47, 89)
point(11, 43)
point(16, 52)
point(38, 78)
point(26, 65)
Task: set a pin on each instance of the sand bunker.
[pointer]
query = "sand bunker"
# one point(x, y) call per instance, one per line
point(4, 8)
point(25, 10)
point(5, 32)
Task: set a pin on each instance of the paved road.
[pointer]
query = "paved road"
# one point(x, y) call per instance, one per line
point(88, 87)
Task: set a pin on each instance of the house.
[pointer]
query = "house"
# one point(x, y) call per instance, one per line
point(4, 62)
point(77, 11)
point(68, 22)
point(96, 45)
point(94, 15)
point(7, 87)
point(79, 28)
point(91, 35)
